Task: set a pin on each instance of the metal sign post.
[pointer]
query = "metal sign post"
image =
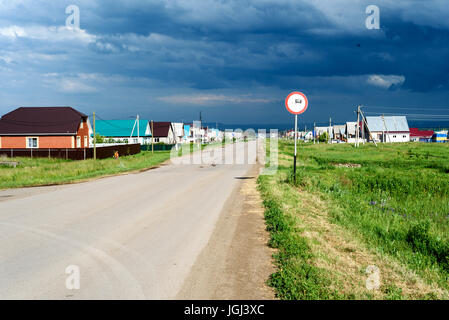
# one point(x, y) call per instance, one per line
point(296, 137)
point(296, 103)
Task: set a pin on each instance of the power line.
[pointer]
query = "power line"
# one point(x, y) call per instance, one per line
point(411, 114)
point(432, 108)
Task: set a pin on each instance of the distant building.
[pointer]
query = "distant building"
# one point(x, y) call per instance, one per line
point(417, 135)
point(389, 129)
point(215, 135)
point(178, 128)
point(188, 133)
point(124, 131)
point(320, 130)
point(44, 127)
point(350, 131)
point(308, 135)
point(339, 131)
point(163, 132)
point(439, 136)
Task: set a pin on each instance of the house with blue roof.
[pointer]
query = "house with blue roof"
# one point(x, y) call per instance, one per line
point(124, 131)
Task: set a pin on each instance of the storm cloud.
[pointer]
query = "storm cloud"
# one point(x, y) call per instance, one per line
point(234, 60)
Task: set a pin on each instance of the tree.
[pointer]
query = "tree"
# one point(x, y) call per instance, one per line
point(324, 137)
point(98, 138)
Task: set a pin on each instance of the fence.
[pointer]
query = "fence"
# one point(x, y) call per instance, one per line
point(73, 154)
point(157, 147)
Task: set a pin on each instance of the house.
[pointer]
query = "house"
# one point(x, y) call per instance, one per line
point(44, 127)
point(307, 136)
point(188, 134)
point(320, 130)
point(389, 129)
point(350, 131)
point(439, 136)
point(124, 131)
point(214, 135)
point(178, 128)
point(163, 132)
point(339, 132)
point(417, 135)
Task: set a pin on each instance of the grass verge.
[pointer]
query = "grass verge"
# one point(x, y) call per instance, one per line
point(354, 208)
point(47, 171)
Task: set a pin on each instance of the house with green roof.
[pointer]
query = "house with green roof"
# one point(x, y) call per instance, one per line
point(125, 131)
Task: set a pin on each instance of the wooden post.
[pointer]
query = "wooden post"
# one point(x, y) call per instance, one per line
point(152, 137)
point(314, 133)
point(363, 130)
point(367, 128)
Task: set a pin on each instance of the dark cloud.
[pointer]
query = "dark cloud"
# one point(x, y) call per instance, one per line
point(236, 48)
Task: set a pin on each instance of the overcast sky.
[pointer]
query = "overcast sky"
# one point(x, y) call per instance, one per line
point(234, 60)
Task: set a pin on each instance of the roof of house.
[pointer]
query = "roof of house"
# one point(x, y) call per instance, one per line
point(415, 132)
point(351, 127)
point(161, 129)
point(388, 124)
point(122, 128)
point(41, 121)
point(320, 130)
point(340, 128)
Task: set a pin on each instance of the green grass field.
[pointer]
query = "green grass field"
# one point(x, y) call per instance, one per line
point(45, 171)
point(386, 206)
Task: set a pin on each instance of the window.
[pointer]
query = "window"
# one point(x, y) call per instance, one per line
point(404, 136)
point(136, 140)
point(78, 142)
point(156, 139)
point(85, 141)
point(82, 125)
point(31, 142)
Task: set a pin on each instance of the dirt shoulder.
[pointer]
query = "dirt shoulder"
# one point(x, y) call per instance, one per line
point(236, 262)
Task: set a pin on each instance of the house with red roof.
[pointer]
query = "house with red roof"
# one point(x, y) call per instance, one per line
point(44, 127)
point(420, 135)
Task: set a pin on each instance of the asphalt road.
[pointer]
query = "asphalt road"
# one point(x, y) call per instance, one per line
point(132, 236)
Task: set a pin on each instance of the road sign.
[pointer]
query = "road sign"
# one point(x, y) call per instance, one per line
point(296, 102)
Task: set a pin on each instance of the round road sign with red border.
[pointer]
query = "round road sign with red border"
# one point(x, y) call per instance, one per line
point(296, 102)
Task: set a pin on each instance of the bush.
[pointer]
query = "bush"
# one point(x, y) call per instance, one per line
point(324, 137)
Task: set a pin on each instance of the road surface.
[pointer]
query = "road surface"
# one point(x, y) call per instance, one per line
point(135, 236)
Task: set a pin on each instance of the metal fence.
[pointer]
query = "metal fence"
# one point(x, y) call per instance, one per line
point(157, 147)
point(73, 154)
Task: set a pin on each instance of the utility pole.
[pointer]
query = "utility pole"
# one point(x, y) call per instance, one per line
point(330, 131)
point(95, 139)
point(152, 137)
point(363, 128)
point(365, 124)
point(385, 135)
point(314, 133)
